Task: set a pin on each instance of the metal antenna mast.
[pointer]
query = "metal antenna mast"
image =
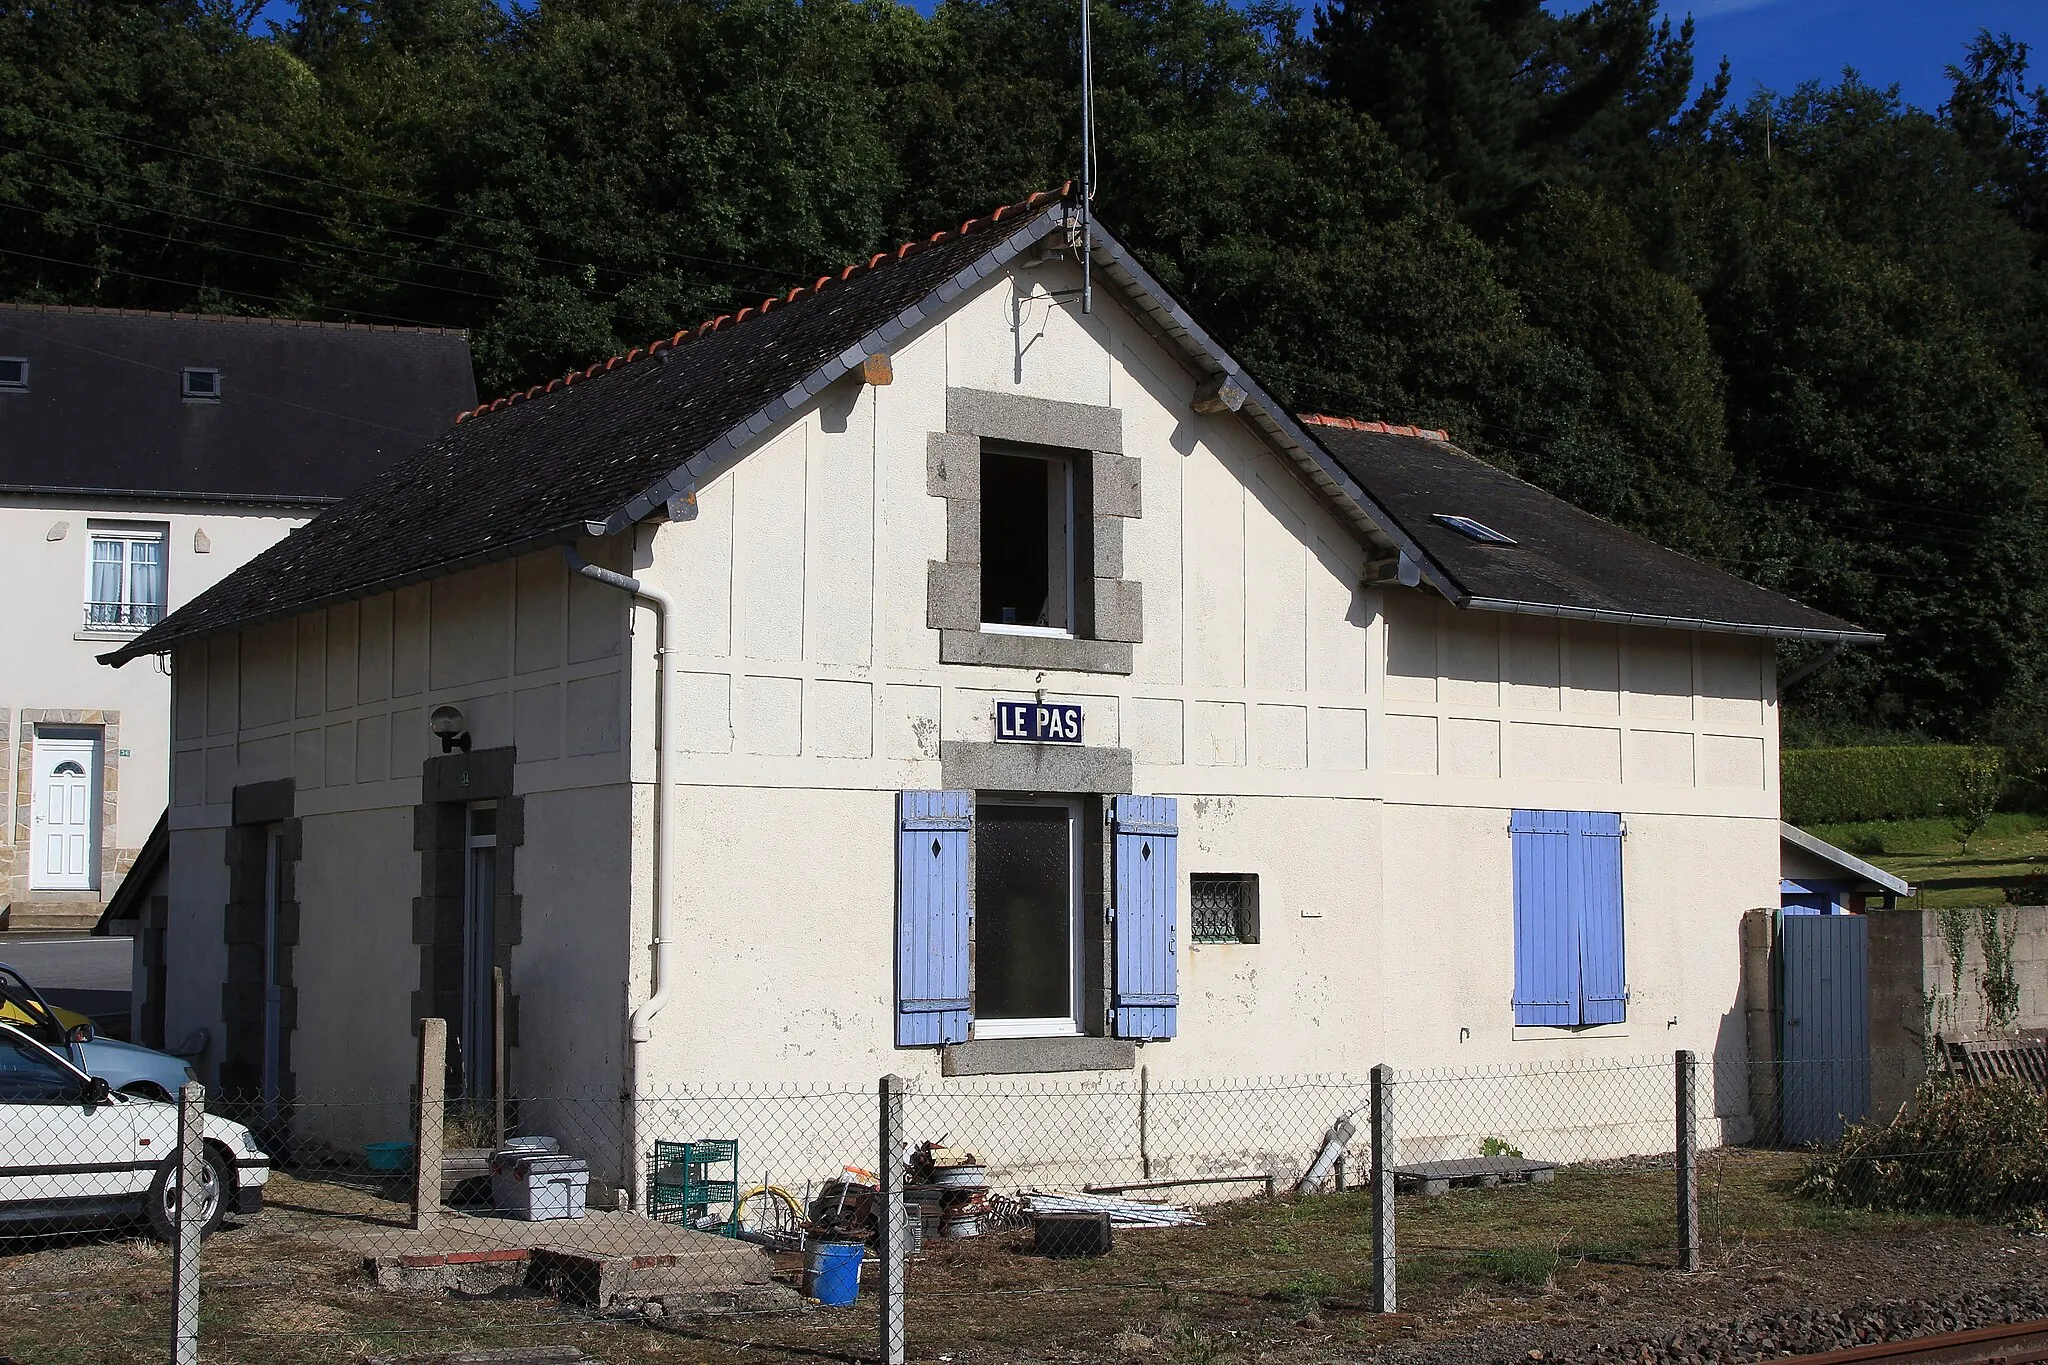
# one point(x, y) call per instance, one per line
point(1087, 164)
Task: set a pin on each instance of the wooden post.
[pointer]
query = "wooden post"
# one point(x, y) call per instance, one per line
point(1688, 1164)
point(1383, 1288)
point(1759, 1008)
point(190, 1223)
point(426, 1147)
point(890, 1220)
point(498, 1050)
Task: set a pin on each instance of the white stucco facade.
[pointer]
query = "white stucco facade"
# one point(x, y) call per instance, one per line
point(1359, 749)
point(50, 677)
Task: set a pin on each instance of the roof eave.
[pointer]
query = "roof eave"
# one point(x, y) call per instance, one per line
point(1173, 324)
point(1847, 635)
point(146, 643)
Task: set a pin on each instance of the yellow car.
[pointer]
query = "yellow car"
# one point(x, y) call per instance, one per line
point(139, 1071)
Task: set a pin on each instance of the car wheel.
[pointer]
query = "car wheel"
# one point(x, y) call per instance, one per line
point(215, 1187)
point(147, 1090)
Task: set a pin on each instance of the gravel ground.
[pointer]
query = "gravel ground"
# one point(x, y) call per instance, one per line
point(1821, 1324)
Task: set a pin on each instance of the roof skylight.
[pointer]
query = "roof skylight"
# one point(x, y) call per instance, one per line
point(1477, 530)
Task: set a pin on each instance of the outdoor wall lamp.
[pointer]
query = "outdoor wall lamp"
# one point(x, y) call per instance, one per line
point(450, 726)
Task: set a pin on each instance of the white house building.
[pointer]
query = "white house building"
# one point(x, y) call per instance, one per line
point(143, 457)
point(927, 672)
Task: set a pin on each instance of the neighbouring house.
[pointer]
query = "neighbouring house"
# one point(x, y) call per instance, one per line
point(1816, 878)
point(144, 457)
point(927, 672)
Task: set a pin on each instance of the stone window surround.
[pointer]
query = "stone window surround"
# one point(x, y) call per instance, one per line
point(246, 850)
point(1110, 606)
point(15, 858)
point(1091, 773)
point(449, 783)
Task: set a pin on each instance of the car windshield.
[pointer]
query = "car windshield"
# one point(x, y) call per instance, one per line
point(29, 1075)
point(22, 1007)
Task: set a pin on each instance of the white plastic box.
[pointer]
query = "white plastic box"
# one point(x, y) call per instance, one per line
point(540, 1187)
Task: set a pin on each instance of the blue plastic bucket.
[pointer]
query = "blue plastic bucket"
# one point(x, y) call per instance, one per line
point(832, 1272)
point(388, 1156)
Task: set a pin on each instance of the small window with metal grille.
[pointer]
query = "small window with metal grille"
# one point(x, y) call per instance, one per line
point(1223, 907)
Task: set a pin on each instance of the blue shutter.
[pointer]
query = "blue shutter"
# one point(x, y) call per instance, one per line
point(1146, 830)
point(1596, 894)
point(932, 917)
point(1546, 938)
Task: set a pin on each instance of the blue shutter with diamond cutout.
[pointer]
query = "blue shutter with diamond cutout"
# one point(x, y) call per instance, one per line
point(1146, 834)
point(932, 917)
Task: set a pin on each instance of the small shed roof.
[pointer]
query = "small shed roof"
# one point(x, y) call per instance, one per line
point(1842, 858)
point(1554, 559)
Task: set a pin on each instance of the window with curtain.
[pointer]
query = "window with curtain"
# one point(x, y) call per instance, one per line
point(125, 590)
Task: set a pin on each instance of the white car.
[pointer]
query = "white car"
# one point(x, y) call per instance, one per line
point(74, 1151)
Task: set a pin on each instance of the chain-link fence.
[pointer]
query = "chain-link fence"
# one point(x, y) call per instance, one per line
point(886, 1219)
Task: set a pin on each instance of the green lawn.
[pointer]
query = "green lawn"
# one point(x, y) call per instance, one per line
point(1926, 853)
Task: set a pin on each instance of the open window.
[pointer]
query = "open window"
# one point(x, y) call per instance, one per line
point(1029, 517)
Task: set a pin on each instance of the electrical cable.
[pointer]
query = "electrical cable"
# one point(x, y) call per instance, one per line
point(241, 392)
point(257, 255)
point(218, 289)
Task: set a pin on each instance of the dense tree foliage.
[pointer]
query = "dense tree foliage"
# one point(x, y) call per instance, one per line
point(1805, 337)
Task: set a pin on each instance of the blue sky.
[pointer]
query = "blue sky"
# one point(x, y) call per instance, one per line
point(1779, 43)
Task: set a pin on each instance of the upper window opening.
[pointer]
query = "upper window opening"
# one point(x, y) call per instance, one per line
point(1223, 907)
point(203, 385)
point(125, 579)
point(13, 372)
point(1479, 531)
point(1027, 541)
point(68, 768)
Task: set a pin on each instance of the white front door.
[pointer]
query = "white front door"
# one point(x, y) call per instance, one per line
point(64, 854)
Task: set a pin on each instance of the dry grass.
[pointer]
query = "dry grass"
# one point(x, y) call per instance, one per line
point(1282, 1280)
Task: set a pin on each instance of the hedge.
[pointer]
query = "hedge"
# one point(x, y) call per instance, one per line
point(1900, 782)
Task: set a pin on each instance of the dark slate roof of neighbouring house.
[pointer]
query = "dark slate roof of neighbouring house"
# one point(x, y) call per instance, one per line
point(1564, 562)
point(307, 411)
point(601, 448)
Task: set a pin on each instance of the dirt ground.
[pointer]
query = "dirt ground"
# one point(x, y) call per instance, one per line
point(1485, 1274)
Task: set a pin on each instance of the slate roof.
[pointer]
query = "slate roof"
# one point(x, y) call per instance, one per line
point(602, 448)
point(307, 412)
point(1565, 562)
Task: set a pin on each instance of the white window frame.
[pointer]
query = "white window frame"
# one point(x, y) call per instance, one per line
point(1055, 1027)
point(12, 385)
point(129, 534)
point(1067, 462)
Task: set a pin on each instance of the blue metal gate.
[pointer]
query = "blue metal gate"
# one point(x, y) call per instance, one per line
point(1824, 1044)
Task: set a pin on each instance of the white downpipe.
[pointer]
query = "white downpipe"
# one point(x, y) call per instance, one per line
point(640, 1023)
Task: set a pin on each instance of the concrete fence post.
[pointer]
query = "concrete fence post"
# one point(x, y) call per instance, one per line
point(1687, 1162)
point(891, 1221)
point(191, 1221)
point(1383, 1289)
point(426, 1147)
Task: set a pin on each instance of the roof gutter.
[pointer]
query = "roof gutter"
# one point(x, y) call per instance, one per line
point(640, 1022)
point(1837, 638)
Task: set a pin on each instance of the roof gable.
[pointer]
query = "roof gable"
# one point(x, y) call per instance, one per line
point(595, 455)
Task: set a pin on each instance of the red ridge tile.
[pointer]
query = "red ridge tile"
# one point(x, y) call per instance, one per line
point(880, 258)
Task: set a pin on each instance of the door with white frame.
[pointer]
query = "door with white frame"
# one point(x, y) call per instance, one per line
point(64, 811)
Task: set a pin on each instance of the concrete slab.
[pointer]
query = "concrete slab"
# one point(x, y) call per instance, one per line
point(1437, 1177)
point(594, 1259)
